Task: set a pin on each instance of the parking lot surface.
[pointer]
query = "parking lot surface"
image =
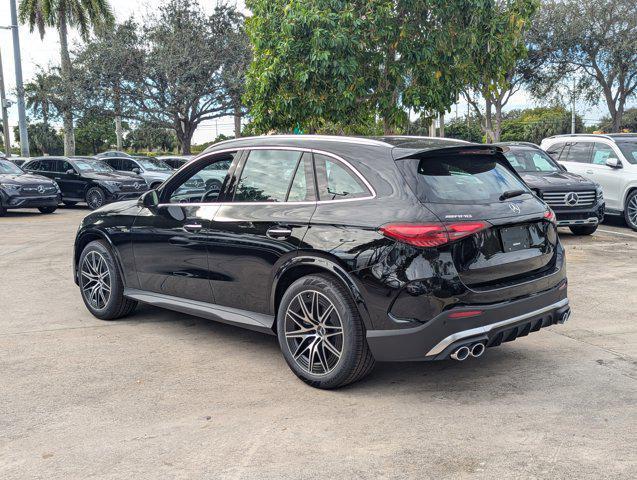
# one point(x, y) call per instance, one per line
point(165, 395)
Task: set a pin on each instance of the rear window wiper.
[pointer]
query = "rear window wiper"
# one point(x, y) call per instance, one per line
point(512, 193)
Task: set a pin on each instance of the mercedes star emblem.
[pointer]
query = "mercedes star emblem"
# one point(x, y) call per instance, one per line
point(514, 207)
point(571, 198)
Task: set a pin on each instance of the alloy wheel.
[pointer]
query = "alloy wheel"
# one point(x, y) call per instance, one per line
point(632, 210)
point(96, 280)
point(314, 332)
point(95, 199)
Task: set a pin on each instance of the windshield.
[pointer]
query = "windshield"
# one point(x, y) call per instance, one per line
point(629, 149)
point(84, 166)
point(529, 160)
point(153, 164)
point(460, 179)
point(6, 167)
point(101, 167)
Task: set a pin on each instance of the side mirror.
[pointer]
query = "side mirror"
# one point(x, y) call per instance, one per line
point(136, 170)
point(150, 199)
point(70, 171)
point(613, 162)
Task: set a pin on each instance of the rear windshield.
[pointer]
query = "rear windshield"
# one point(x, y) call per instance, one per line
point(459, 179)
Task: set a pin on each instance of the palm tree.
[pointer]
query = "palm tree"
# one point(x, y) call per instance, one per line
point(40, 95)
point(85, 15)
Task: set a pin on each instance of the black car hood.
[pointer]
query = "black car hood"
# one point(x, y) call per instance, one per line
point(24, 179)
point(549, 180)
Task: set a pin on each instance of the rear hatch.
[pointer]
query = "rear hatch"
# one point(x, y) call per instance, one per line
point(515, 239)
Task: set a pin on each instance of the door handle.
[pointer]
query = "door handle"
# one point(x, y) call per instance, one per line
point(278, 233)
point(590, 171)
point(193, 227)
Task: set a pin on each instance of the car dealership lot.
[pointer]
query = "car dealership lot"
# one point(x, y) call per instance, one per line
point(166, 395)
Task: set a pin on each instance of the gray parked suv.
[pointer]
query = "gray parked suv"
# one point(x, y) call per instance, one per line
point(154, 171)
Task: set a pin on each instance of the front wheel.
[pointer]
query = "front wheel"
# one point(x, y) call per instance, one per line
point(321, 334)
point(101, 285)
point(47, 209)
point(583, 230)
point(95, 198)
point(630, 210)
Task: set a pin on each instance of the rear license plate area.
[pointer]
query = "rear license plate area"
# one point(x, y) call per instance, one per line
point(515, 238)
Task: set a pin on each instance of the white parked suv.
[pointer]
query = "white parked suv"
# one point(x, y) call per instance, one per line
point(610, 160)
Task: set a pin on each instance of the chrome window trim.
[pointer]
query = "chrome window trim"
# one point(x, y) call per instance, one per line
point(323, 138)
point(298, 149)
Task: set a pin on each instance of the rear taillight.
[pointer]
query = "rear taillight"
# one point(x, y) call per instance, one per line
point(550, 216)
point(431, 234)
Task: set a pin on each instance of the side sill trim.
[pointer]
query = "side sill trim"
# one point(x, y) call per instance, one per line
point(486, 328)
point(233, 316)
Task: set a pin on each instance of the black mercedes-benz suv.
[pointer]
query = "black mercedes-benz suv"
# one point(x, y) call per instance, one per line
point(350, 250)
point(578, 203)
point(22, 190)
point(92, 182)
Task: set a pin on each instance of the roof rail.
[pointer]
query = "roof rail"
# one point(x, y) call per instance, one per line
point(325, 138)
point(597, 135)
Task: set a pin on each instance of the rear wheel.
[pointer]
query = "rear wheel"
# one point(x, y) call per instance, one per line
point(47, 209)
point(630, 210)
point(583, 230)
point(95, 197)
point(101, 286)
point(321, 334)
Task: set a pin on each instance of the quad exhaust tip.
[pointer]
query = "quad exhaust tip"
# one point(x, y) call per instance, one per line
point(462, 353)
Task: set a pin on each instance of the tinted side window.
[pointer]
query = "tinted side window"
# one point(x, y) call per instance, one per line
point(602, 152)
point(579, 152)
point(126, 165)
point(47, 166)
point(266, 176)
point(302, 187)
point(336, 181)
point(35, 166)
point(62, 166)
point(555, 150)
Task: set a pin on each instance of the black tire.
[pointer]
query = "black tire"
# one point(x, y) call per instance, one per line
point(630, 210)
point(213, 185)
point(355, 360)
point(3, 211)
point(47, 209)
point(95, 198)
point(116, 306)
point(583, 230)
point(68, 203)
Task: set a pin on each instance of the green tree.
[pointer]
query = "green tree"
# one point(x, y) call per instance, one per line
point(593, 41)
point(496, 58)
point(147, 136)
point(628, 124)
point(107, 65)
point(62, 15)
point(186, 69)
point(534, 124)
point(43, 138)
point(338, 63)
point(94, 133)
point(42, 95)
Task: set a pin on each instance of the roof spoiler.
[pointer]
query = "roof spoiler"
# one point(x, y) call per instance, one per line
point(470, 149)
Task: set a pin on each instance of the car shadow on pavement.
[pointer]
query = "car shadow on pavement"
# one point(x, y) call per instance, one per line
point(507, 369)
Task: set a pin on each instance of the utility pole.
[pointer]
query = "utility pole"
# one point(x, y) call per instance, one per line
point(22, 118)
point(4, 104)
point(442, 124)
point(573, 108)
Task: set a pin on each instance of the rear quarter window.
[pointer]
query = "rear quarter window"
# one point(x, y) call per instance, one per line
point(459, 179)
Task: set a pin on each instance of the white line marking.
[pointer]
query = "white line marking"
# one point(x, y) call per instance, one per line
point(617, 233)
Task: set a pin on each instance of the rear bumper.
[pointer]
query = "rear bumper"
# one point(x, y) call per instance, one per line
point(501, 322)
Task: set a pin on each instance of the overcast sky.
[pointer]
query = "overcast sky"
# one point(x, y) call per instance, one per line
point(37, 52)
